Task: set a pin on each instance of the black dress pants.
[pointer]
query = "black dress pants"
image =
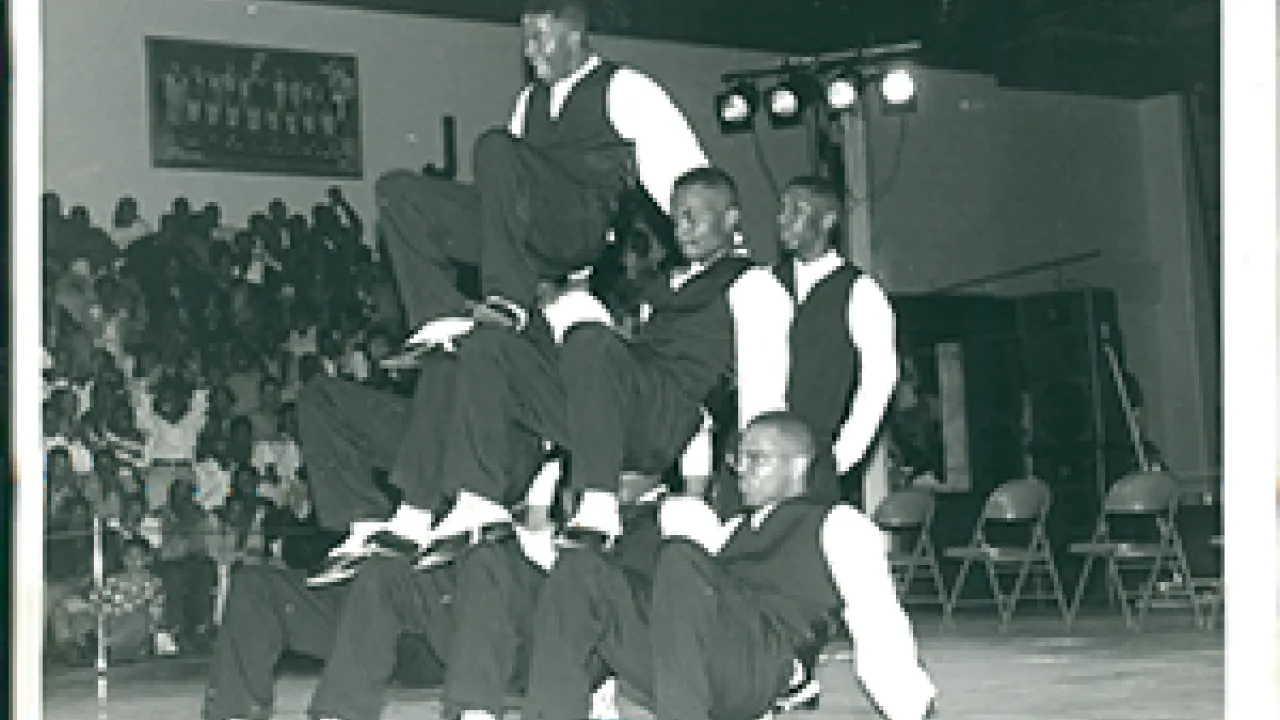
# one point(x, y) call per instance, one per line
point(700, 649)
point(355, 627)
point(348, 430)
point(610, 406)
point(475, 615)
point(188, 593)
point(268, 612)
point(523, 220)
point(493, 614)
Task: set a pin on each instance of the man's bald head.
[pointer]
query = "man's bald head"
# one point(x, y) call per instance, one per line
point(787, 429)
point(774, 455)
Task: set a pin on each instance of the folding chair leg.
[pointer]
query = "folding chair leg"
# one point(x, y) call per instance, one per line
point(936, 572)
point(948, 610)
point(1184, 569)
point(1011, 601)
point(1059, 596)
point(910, 578)
point(1074, 608)
point(997, 591)
point(1147, 591)
point(1122, 594)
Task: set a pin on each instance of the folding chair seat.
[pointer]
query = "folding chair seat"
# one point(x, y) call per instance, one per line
point(1136, 537)
point(907, 515)
point(1017, 510)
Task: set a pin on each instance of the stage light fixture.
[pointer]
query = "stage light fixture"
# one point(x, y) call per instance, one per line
point(842, 92)
point(736, 108)
point(784, 104)
point(898, 87)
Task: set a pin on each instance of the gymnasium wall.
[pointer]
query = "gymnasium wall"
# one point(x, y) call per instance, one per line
point(977, 180)
point(413, 71)
point(991, 179)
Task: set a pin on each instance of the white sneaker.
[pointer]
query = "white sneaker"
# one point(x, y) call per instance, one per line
point(406, 359)
point(441, 333)
point(470, 513)
point(355, 544)
point(344, 561)
point(411, 523)
point(604, 701)
point(539, 546)
point(598, 510)
point(573, 308)
point(165, 645)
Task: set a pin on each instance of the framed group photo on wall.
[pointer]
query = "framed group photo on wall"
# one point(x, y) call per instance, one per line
point(215, 106)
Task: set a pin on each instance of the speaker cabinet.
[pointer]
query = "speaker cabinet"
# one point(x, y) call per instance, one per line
point(1073, 418)
point(960, 352)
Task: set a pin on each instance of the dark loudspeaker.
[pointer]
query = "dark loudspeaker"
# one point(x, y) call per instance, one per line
point(965, 346)
point(1076, 434)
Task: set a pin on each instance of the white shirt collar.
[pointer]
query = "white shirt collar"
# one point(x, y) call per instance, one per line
point(759, 515)
point(561, 88)
point(682, 275)
point(809, 274)
point(576, 76)
point(828, 261)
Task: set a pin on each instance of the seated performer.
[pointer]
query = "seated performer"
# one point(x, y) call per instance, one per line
point(730, 605)
point(618, 403)
point(844, 358)
point(584, 131)
point(475, 617)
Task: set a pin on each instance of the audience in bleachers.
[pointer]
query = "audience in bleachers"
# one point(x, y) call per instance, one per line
point(173, 353)
point(171, 359)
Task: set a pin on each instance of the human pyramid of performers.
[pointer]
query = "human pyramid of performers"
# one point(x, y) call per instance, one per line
point(703, 604)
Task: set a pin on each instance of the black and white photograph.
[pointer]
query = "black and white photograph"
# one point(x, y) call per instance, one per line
point(768, 360)
point(225, 107)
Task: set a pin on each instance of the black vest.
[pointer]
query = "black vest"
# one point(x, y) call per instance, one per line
point(581, 140)
point(784, 564)
point(824, 362)
point(690, 333)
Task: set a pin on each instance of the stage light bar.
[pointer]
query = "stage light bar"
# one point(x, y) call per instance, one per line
point(736, 108)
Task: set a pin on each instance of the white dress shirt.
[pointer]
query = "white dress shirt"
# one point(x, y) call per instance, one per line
point(213, 484)
point(886, 658)
point(166, 440)
point(762, 314)
point(283, 452)
point(123, 237)
point(80, 456)
point(643, 114)
point(82, 390)
point(872, 331)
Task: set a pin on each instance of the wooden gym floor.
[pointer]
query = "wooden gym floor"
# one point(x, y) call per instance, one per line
point(1036, 671)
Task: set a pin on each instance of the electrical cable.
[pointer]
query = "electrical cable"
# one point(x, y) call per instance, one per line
point(763, 162)
point(880, 189)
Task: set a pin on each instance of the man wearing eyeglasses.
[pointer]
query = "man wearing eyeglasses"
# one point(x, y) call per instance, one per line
point(731, 604)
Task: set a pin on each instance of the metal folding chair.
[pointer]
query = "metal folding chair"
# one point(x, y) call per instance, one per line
point(1147, 504)
point(907, 515)
point(1021, 509)
point(1214, 594)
